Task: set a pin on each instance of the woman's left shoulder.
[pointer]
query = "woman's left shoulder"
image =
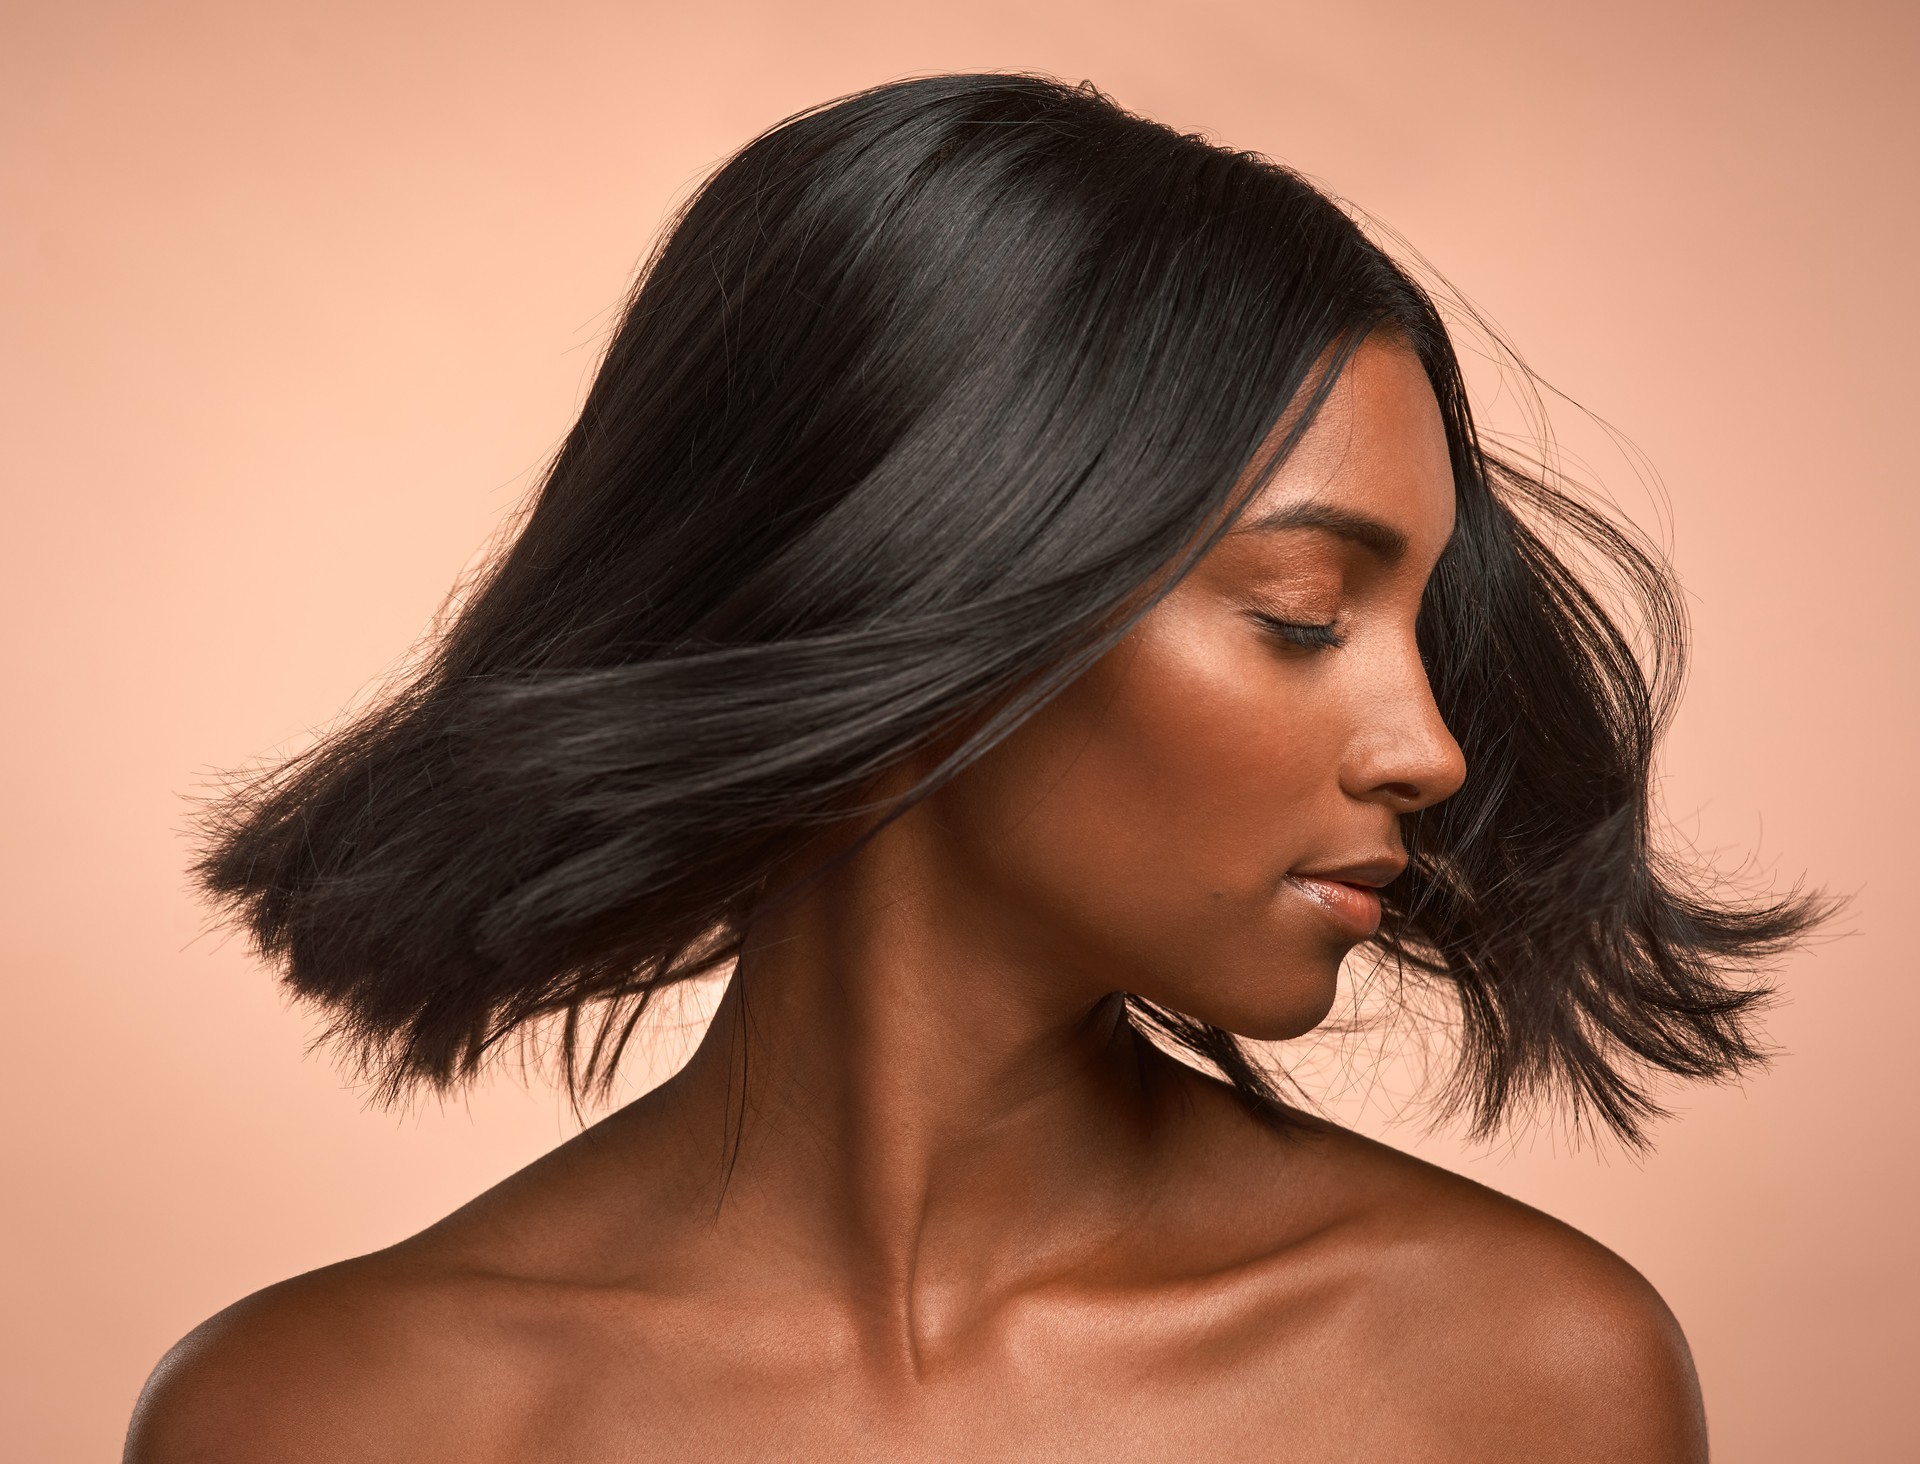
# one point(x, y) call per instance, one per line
point(1535, 1339)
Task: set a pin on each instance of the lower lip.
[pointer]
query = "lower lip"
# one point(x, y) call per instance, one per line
point(1354, 908)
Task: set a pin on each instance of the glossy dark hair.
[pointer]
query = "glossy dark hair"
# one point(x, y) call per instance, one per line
point(917, 395)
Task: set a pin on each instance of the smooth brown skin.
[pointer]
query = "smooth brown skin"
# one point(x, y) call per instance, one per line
point(971, 1216)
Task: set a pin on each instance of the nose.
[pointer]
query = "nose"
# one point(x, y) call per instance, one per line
point(1403, 756)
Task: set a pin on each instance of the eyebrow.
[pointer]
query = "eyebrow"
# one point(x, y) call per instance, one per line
point(1386, 544)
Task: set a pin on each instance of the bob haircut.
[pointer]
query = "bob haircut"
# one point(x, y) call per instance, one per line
point(922, 401)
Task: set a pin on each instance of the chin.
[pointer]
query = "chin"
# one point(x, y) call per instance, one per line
point(1264, 1008)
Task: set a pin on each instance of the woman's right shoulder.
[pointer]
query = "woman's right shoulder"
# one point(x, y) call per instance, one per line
point(374, 1357)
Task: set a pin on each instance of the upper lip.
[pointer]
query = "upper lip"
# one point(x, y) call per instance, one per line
point(1369, 873)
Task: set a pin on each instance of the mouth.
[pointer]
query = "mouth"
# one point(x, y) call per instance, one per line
point(1349, 896)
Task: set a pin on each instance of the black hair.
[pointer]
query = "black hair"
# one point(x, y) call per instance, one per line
point(915, 397)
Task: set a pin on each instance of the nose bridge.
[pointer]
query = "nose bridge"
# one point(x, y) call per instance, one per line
point(1404, 752)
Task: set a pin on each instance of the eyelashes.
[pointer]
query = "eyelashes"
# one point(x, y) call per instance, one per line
point(1303, 635)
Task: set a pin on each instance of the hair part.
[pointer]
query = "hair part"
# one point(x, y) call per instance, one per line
point(916, 396)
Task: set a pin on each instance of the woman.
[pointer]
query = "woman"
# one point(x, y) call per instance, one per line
point(1024, 592)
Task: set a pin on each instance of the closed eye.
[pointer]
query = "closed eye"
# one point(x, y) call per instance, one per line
point(1303, 634)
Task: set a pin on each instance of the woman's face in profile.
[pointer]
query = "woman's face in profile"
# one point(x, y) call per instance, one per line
point(1203, 817)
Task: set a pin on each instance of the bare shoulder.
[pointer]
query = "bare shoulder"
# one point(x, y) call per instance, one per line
point(382, 1357)
point(455, 1344)
point(1521, 1336)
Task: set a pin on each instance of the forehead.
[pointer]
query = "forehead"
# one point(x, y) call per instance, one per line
point(1377, 447)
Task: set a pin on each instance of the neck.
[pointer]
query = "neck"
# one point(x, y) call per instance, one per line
point(903, 1092)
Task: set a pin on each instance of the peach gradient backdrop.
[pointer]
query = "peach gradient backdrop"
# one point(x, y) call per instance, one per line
point(296, 296)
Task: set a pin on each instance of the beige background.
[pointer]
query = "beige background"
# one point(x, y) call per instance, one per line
point(295, 298)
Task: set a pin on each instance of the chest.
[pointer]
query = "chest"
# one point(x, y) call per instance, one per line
point(804, 1389)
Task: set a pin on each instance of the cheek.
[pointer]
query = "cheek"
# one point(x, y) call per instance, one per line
point(1199, 762)
point(1147, 817)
